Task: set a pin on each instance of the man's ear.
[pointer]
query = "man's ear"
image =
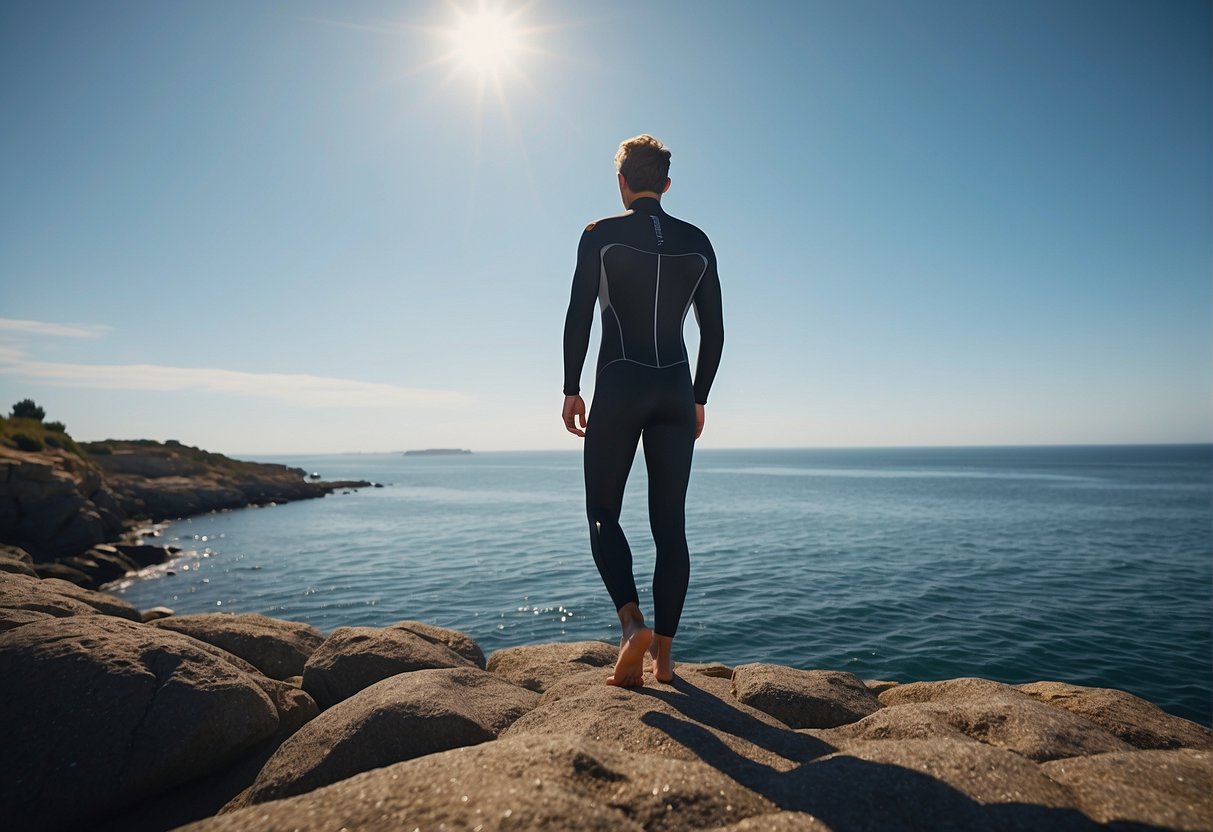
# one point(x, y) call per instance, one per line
point(667, 185)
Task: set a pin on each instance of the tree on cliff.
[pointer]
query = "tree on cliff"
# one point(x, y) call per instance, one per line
point(26, 409)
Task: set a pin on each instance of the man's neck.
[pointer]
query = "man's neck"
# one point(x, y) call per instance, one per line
point(644, 195)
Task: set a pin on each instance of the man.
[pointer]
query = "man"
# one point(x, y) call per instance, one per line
point(646, 269)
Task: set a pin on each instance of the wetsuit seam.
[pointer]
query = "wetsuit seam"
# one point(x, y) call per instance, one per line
point(640, 363)
point(606, 282)
point(656, 306)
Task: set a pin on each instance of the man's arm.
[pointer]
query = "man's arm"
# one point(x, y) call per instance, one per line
point(577, 323)
point(710, 317)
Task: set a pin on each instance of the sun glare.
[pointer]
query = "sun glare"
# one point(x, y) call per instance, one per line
point(486, 42)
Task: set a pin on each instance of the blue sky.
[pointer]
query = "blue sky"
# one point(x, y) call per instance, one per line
point(279, 227)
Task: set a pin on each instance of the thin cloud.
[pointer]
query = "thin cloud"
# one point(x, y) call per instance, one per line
point(294, 388)
point(54, 329)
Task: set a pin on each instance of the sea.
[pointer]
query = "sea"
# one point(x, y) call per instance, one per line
point(1086, 564)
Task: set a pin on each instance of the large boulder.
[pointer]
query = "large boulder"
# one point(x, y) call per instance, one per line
point(16, 560)
point(804, 698)
point(1015, 723)
point(461, 643)
point(937, 784)
point(353, 658)
point(539, 666)
point(949, 690)
point(59, 598)
point(66, 573)
point(1160, 789)
point(694, 718)
point(109, 712)
point(518, 783)
point(402, 717)
point(277, 648)
point(1140, 723)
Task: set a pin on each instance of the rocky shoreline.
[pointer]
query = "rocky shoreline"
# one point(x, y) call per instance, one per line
point(122, 720)
point(82, 511)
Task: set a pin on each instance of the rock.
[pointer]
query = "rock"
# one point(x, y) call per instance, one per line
point(1167, 789)
point(277, 648)
point(205, 796)
point(60, 598)
point(402, 717)
point(66, 573)
point(12, 618)
point(538, 666)
point(804, 698)
point(695, 718)
point(143, 554)
point(878, 687)
point(461, 643)
point(951, 690)
point(713, 669)
point(1140, 723)
point(102, 713)
point(16, 560)
point(519, 783)
point(776, 822)
point(935, 784)
point(1015, 723)
point(353, 658)
point(156, 613)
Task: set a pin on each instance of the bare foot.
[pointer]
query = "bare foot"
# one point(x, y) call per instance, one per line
point(663, 660)
point(629, 669)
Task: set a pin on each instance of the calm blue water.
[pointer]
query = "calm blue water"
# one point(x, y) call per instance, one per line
point(1090, 565)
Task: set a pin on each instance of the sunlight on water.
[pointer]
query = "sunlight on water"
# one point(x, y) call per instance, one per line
point(1085, 565)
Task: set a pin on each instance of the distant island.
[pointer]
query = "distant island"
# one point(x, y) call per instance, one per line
point(437, 452)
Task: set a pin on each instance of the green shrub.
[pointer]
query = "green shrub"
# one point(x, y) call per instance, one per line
point(57, 427)
point(26, 409)
point(52, 442)
point(26, 442)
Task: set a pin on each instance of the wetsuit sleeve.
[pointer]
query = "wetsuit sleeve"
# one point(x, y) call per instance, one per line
point(580, 317)
point(710, 316)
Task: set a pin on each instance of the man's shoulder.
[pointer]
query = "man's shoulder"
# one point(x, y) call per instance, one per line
point(607, 221)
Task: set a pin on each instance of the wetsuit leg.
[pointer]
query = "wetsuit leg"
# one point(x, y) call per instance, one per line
point(669, 441)
point(611, 437)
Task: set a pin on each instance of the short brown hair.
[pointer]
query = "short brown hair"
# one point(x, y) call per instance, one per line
point(644, 162)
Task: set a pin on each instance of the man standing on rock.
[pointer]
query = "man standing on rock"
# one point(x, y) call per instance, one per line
point(645, 269)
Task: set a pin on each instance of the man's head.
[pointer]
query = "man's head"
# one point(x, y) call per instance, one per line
point(644, 166)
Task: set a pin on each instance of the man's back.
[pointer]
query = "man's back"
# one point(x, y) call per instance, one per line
point(646, 269)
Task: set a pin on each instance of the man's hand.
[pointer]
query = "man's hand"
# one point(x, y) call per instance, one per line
point(574, 411)
point(699, 417)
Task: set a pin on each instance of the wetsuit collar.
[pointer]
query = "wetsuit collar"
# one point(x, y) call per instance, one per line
point(645, 203)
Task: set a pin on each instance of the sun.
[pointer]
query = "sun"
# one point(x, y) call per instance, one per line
point(486, 42)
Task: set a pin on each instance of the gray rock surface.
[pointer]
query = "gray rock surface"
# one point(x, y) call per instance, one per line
point(404, 716)
point(59, 598)
point(950, 690)
point(277, 648)
point(1173, 788)
point(695, 718)
point(515, 783)
point(16, 560)
point(111, 712)
point(935, 784)
point(804, 698)
point(1017, 724)
point(1140, 723)
point(776, 822)
point(353, 658)
point(461, 643)
point(538, 666)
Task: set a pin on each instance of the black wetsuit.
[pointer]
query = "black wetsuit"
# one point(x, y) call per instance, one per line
point(646, 270)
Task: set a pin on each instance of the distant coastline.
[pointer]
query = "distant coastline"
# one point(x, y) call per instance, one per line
point(438, 452)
